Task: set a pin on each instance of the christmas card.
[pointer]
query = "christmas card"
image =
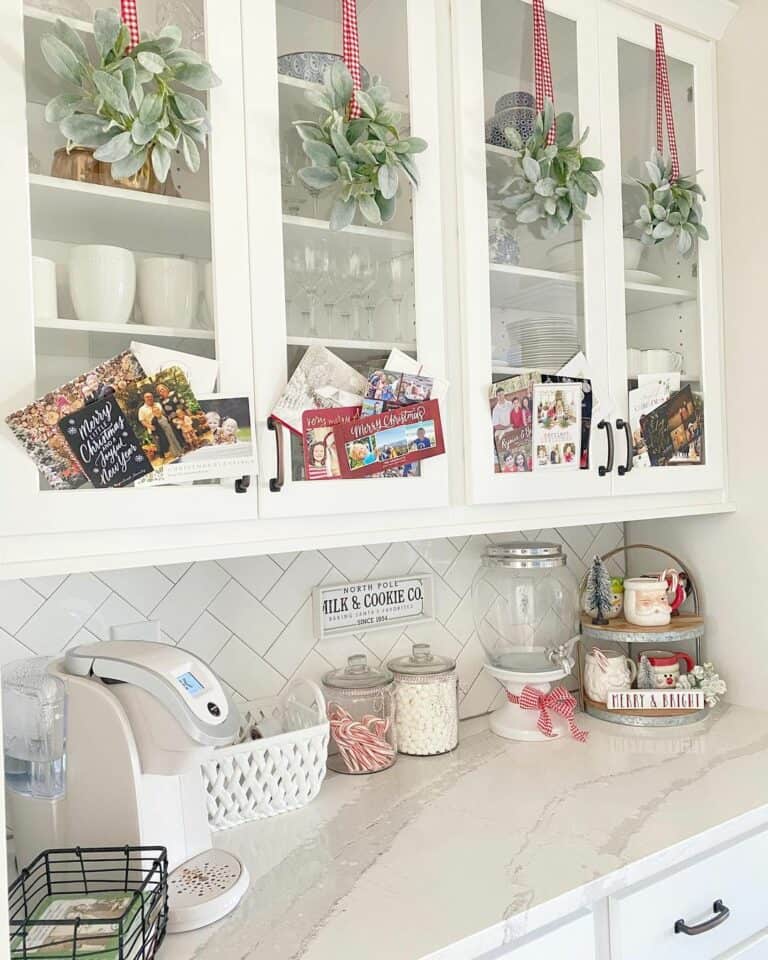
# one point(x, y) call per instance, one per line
point(674, 432)
point(587, 404)
point(557, 426)
point(166, 416)
point(651, 393)
point(37, 425)
point(320, 381)
point(321, 458)
point(104, 443)
point(390, 439)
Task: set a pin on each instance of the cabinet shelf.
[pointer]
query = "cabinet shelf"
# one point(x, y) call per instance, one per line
point(529, 288)
point(382, 244)
point(75, 212)
point(350, 350)
point(131, 331)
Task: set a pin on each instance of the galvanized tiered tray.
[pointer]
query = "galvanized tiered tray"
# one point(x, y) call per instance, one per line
point(683, 627)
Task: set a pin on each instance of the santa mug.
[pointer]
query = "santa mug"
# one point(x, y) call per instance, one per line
point(645, 602)
point(666, 667)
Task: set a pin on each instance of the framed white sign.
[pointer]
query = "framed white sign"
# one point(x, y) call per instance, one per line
point(656, 700)
point(373, 605)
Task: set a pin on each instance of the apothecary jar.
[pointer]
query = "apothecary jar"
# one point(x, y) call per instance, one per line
point(361, 711)
point(525, 605)
point(426, 694)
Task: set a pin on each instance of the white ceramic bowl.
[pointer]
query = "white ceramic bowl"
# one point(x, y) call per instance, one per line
point(168, 291)
point(102, 283)
point(568, 256)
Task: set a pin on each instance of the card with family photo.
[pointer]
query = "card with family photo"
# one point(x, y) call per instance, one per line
point(36, 426)
point(321, 458)
point(557, 426)
point(231, 453)
point(388, 389)
point(166, 416)
point(389, 440)
point(674, 432)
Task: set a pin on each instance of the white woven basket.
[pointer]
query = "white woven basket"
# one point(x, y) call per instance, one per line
point(259, 778)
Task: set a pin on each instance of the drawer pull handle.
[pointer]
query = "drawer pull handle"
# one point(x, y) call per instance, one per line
point(276, 483)
point(624, 425)
point(721, 914)
point(608, 468)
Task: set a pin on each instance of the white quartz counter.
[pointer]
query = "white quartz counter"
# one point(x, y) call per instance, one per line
point(484, 843)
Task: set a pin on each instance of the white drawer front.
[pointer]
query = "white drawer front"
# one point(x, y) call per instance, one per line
point(643, 921)
point(573, 938)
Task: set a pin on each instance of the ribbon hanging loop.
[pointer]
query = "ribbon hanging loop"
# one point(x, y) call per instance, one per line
point(350, 45)
point(542, 67)
point(130, 18)
point(664, 105)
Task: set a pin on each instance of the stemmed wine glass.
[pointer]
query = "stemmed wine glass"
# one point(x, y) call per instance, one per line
point(316, 260)
point(399, 278)
point(294, 194)
point(363, 275)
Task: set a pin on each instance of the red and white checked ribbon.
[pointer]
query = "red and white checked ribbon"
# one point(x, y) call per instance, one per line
point(558, 700)
point(542, 68)
point(130, 18)
point(664, 105)
point(350, 43)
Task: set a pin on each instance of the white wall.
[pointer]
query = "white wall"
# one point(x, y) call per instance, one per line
point(729, 552)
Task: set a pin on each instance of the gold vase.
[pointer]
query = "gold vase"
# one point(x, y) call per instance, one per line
point(78, 163)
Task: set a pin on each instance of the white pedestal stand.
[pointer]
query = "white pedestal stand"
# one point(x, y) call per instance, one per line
point(514, 723)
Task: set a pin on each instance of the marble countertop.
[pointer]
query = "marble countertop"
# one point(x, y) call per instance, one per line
point(484, 843)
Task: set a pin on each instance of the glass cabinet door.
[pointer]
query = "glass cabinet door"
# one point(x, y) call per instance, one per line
point(663, 295)
point(102, 262)
point(363, 291)
point(532, 297)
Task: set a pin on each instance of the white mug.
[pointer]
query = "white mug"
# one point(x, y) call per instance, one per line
point(634, 360)
point(102, 283)
point(645, 602)
point(607, 670)
point(660, 361)
point(168, 291)
point(44, 298)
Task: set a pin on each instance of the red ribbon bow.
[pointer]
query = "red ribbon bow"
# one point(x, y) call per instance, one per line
point(558, 700)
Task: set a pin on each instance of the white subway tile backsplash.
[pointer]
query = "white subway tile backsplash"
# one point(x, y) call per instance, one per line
point(295, 585)
point(257, 574)
point(192, 594)
point(251, 617)
point(142, 587)
point(246, 672)
point(206, 637)
point(18, 602)
point(242, 613)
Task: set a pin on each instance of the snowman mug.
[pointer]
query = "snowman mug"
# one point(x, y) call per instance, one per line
point(666, 667)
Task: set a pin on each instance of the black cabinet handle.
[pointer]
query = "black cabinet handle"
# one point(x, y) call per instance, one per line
point(608, 468)
point(276, 483)
point(624, 425)
point(721, 914)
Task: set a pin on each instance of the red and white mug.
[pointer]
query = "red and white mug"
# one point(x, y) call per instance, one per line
point(666, 667)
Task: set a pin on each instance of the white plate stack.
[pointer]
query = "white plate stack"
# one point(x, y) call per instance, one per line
point(545, 341)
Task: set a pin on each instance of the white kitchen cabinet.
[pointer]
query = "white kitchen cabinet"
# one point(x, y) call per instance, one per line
point(602, 62)
point(361, 291)
point(46, 216)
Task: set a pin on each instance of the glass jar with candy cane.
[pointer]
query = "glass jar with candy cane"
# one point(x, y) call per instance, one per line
point(361, 711)
point(426, 697)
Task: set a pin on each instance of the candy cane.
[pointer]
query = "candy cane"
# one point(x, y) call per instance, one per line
point(362, 743)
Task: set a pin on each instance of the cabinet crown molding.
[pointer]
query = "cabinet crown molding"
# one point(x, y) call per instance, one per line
point(707, 18)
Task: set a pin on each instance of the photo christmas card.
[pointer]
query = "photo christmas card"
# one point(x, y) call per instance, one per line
point(37, 425)
point(391, 439)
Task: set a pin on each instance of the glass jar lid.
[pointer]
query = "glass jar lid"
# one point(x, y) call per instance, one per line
point(421, 662)
point(357, 675)
point(524, 554)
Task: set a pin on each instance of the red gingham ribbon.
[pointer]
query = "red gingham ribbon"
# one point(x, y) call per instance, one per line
point(130, 18)
point(350, 41)
point(559, 700)
point(542, 68)
point(664, 105)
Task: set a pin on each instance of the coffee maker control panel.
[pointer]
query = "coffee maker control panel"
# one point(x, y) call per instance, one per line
point(182, 683)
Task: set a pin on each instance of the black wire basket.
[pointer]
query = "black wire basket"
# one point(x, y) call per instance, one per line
point(110, 902)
